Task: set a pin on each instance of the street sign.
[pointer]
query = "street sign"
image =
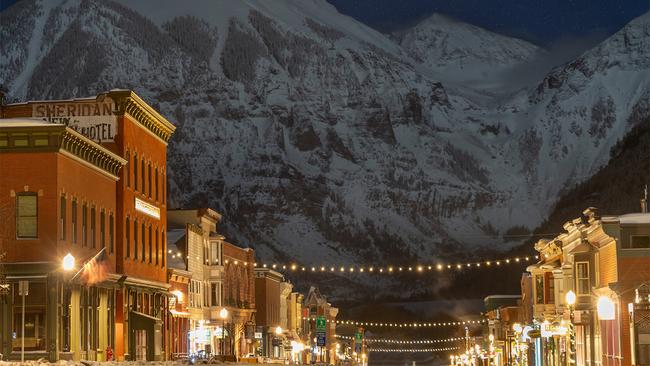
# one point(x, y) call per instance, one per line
point(320, 339)
point(321, 323)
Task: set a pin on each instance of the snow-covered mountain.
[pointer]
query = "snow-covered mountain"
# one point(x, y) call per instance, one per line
point(325, 141)
point(462, 52)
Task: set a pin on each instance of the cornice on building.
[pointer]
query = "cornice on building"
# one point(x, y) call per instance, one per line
point(127, 102)
point(34, 137)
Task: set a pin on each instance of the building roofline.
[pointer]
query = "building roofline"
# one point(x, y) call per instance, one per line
point(128, 102)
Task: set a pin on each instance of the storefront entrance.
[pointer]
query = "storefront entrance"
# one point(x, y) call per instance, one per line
point(145, 342)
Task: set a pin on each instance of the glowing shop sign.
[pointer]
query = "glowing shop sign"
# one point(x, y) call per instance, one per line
point(147, 208)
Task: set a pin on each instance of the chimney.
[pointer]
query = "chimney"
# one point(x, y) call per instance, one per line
point(644, 200)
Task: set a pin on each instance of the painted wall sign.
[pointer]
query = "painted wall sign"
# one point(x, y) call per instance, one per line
point(147, 208)
point(95, 120)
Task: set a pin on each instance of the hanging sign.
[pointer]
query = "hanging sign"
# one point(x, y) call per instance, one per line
point(321, 323)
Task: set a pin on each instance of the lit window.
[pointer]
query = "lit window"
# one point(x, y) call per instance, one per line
point(62, 218)
point(93, 224)
point(102, 228)
point(135, 238)
point(127, 230)
point(539, 289)
point(74, 221)
point(582, 278)
point(135, 171)
point(143, 242)
point(111, 225)
point(27, 215)
point(84, 224)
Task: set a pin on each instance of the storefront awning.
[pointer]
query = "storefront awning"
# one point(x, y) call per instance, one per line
point(179, 314)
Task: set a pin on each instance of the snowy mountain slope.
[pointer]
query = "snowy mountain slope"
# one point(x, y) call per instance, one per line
point(463, 52)
point(322, 140)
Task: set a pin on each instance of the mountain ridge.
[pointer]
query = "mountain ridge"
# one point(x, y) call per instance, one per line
point(321, 143)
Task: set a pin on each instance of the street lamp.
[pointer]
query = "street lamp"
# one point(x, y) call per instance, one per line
point(68, 262)
point(68, 265)
point(223, 314)
point(570, 299)
point(606, 308)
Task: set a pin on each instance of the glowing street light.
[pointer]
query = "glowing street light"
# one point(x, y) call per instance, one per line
point(606, 308)
point(68, 262)
point(570, 298)
point(223, 314)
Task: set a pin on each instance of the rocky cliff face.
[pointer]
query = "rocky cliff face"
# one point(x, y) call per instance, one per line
point(323, 141)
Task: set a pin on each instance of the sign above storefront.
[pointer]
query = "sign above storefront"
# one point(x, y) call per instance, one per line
point(95, 120)
point(147, 208)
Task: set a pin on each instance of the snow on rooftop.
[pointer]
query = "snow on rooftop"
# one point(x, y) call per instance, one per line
point(632, 218)
point(25, 122)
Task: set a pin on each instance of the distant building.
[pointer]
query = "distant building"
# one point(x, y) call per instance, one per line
point(316, 305)
point(270, 305)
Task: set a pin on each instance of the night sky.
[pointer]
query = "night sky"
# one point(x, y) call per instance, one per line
point(543, 22)
point(540, 21)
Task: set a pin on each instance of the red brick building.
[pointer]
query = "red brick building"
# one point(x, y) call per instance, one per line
point(57, 196)
point(125, 125)
point(239, 297)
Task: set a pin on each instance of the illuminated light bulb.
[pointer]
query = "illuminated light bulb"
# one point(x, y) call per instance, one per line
point(390, 269)
point(313, 269)
point(371, 269)
point(478, 264)
point(487, 263)
point(236, 262)
point(293, 267)
point(448, 266)
point(498, 263)
point(284, 267)
point(351, 269)
point(361, 269)
point(527, 258)
point(458, 266)
point(429, 268)
point(302, 269)
point(516, 259)
point(381, 270)
point(507, 260)
point(274, 266)
point(331, 269)
point(322, 269)
point(469, 264)
point(400, 269)
point(342, 269)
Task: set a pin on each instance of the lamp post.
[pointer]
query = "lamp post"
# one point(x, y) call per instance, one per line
point(68, 264)
point(278, 333)
point(223, 314)
point(570, 299)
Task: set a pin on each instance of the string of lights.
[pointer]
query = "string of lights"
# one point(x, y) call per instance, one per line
point(403, 325)
point(399, 341)
point(387, 269)
point(414, 350)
